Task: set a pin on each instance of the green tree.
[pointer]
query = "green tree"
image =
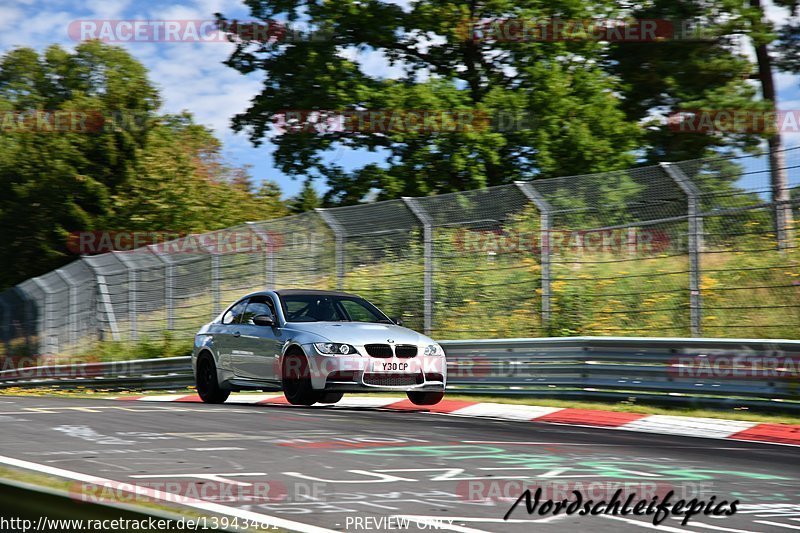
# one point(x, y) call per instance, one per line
point(306, 200)
point(578, 124)
point(133, 170)
point(53, 183)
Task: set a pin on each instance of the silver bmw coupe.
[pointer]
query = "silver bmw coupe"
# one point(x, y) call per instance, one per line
point(314, 345)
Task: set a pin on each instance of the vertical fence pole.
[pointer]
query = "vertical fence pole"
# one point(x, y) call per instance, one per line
point(72, 305)
point(27, 313)
point(216, 278)
point(6, 328)
point(269, 255)
point(104, 306)
point(133, 295)
point(45, 320)
point(339, 234)
point(216, 305)
point(545, 227)
point(695, 244)
point(108, 309)
point(427, 237)
point(133, 292)
point(169, 289)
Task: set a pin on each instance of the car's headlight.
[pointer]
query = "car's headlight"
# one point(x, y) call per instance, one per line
point(334, 348)
point(433, 349)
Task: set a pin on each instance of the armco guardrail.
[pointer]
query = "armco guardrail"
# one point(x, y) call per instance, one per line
point(703, 372)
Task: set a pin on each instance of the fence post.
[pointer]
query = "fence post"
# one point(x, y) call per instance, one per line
point(25, 321)
point(133, 295)
point(6, 328)
point(46, 321)
point(338, 232)
point(269, 255)
point(104, 303)
point(169, 300)
point(216, 280)
point(545, 227)
point(695, 244)
point(72, 305)
point(427, 237)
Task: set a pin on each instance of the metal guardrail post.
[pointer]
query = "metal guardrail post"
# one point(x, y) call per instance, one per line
point(269, 255)
point(338, 232)
point(427, 236)
point(695, 244)
point(545, 227)
point(133, 295)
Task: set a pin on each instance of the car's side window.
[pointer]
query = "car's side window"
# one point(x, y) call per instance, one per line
point(234, 314)
point(258, 305)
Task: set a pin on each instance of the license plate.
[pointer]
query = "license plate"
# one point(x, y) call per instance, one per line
point(390, 366)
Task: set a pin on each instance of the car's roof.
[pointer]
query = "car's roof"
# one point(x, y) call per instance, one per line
point(311, 292)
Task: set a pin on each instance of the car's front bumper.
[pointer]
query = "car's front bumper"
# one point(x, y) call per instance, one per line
point(363, 373)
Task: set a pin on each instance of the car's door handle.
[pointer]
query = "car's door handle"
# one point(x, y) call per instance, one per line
point(236, 334)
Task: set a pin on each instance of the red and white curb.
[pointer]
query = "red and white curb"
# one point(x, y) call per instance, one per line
point(714, 428)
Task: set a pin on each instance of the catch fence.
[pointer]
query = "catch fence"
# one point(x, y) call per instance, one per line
point(679, 249)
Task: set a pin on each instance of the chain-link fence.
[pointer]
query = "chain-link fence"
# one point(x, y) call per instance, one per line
point(682, 249)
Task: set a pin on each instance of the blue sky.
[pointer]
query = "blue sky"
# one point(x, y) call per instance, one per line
point(191, 76)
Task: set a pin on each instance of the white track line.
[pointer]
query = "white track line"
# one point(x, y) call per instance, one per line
point(166, 497)
point(767, 522)
point(439, 523)
point(646, 525)
point(720, 528)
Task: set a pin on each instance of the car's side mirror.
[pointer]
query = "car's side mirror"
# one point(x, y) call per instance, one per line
point(263, 320)
point(397, 320)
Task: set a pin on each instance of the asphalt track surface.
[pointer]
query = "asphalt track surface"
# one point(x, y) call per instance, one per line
point(350, 469)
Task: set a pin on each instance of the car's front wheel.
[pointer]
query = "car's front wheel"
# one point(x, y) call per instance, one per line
point(207, 384)
point(330, 397)
point(297, 381)
point(425, 398)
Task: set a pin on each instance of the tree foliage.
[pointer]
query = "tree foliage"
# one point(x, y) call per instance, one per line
point(561, 86)
point(136, 170)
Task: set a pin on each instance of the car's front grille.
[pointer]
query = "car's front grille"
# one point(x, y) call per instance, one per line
point(378, 350)
point(405, 350)
point(392, 380)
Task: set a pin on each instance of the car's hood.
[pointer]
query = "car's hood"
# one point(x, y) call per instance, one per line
point(358, 333)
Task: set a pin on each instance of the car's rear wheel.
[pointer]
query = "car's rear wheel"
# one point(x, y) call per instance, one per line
point(297, 381)
point(425, 398)
point(330, 397)
point(207, 384)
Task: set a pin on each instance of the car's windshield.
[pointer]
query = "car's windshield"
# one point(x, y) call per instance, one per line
point(319, 308)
